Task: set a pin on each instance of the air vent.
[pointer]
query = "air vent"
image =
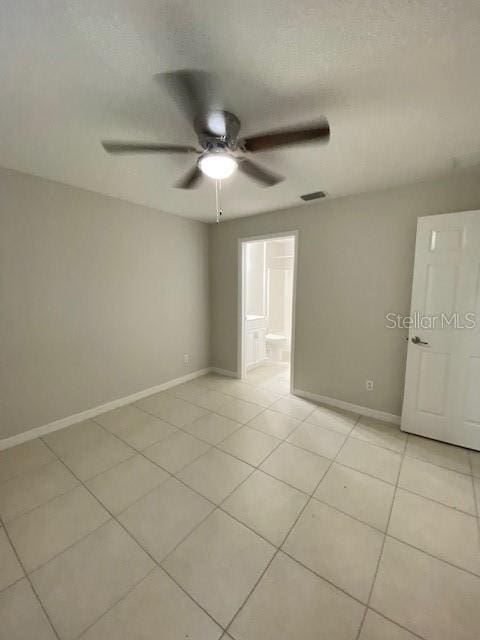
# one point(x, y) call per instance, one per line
point(313, 196)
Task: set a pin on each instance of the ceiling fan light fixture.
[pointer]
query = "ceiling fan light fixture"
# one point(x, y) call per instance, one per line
point(218, 166)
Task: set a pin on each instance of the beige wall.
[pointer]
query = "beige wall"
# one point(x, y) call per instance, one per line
point(355, 264)
point(98, 299)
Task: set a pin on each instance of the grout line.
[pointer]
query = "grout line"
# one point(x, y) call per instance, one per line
point(401, 453)
point(401, 626)
point(147, 575)
point(15, 581)
point(428, 553)
point(279, 548)
point(442, 504)
point(113, 517)
point(27, 577)
point(442, 466)
point(219, 506)
point(33, 469)
point(257, 467)
point(302, 420)
point(380, 555)
point(31, 509)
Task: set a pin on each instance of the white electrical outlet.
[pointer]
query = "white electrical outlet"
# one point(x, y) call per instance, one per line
point(186, 358)
point(369, 385)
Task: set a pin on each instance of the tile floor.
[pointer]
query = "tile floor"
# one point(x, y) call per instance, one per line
point(228, 509)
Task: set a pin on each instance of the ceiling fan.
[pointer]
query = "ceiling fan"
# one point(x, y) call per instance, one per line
point(218, 131)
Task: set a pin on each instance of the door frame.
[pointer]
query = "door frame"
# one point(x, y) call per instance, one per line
point(241, 369)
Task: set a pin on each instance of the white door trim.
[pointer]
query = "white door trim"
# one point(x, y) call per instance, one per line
point(241, 298)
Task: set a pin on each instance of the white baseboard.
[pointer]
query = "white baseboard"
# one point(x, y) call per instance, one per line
point(36, 432)
point(348, 406)
point(224, 372)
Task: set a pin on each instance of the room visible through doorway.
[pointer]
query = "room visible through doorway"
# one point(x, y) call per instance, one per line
point(268, 279)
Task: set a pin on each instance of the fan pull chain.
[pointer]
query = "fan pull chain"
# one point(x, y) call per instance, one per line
point(218, 205)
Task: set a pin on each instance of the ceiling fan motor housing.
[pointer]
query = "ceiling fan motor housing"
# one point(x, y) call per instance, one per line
point(218, 128)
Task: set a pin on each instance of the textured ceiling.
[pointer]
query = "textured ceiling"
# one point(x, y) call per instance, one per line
point(398, 81)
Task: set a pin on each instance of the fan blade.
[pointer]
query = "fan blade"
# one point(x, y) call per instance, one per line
point(194, 92)
point(190, 181)
point(282, 138)
point(141, 147)
point(258, 173)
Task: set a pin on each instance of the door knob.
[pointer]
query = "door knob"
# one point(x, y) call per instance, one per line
point(417, 340)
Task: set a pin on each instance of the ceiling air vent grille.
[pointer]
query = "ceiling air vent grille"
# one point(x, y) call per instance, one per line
point(313, 196)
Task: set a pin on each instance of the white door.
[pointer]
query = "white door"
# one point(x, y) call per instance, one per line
point(442, 385)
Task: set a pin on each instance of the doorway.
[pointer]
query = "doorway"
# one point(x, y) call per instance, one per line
point(267, 278)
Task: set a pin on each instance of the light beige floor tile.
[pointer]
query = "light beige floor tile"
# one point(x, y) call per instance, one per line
point(294, 407)
point(317, 439)
point(21, 615)
point(33, 488)
point(10, 569)
point(438, 530)
point(275, 424)
point(219, 563)
point(337, 547)
point(239, 410)
point(212, 381)
point(156, 609)
point(383, 434)
point(164, 517)
point(22, 458)
point(48, 530)
point(199, 395)
point(213, 428)
point(125, 483)
point(84, 581)
point(250, 445)
point(292, 603)
point(215, 474)
point(475, 462)
point(213, 400)
point(376, 627)
point(123, 417)
point(357, 494)
point(263, 397)
point(230, 387)
point(265, 504)
point(176, 451)
point(297, 467)
point(334, 419)
point(370, 459)
point(425, 595)
point(449, 487)
point(143, 436)
point(135, 427)
point(277, 386)
point(173, 410)
point(87, 449)
point(268, 370)
point(445, 455)
point(82, 435)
